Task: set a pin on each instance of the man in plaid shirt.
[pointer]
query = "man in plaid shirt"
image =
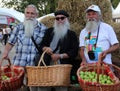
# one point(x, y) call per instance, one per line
point(26, 50)
point(21, 37)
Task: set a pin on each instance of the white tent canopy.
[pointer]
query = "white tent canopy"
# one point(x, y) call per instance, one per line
point(116, 12)
point(12, 13)
point(40, 18)
point(112, 8)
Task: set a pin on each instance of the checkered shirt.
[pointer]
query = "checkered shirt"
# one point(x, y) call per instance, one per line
point(25, 48)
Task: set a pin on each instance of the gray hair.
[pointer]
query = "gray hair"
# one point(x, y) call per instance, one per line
point(31, 5)
point(100, 16)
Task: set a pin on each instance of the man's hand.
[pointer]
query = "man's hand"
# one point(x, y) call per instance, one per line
point(48, 50)
point(83, 63)
point(102, 55)
point(55, 57)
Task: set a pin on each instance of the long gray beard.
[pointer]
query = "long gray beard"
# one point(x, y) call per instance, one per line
point(60, 30)
point(92, 26)
point(29, 25)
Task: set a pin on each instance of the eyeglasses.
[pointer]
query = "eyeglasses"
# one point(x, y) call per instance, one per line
point(58, 18)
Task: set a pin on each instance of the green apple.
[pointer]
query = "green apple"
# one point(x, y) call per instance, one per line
point(5, 77)
point(81, 72)
point(82, 76)
point(108, 82)
point(94, 73)
point(94, 80)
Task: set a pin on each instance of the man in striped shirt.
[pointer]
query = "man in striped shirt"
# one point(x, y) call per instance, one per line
point(20, 37)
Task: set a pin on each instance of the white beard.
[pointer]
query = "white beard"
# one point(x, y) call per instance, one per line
point(29, 25)
point(91, 26)
point(60, 30)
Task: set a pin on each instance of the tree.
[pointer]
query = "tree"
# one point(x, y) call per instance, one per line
point(44, 6)
point(76, 10)
point(115, 3)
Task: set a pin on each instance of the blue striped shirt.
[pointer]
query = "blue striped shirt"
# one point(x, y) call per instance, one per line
point(25, 48)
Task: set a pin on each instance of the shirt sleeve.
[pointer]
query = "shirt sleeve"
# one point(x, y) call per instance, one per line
point(43, 29)
point(82, 38)
point(112, 36)
point(13, 36)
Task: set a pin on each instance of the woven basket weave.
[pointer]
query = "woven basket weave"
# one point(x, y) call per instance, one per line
point(89, 86)
point(15, 74)
point(54, 75)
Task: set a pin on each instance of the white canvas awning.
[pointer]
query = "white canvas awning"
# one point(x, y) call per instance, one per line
point(12, 13)
point(116, 12)
point(40, 18)
point(3, 20)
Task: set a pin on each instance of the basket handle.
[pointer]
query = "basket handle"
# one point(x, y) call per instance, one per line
point(6, 60)
point(115, 67)
point(9, 65)
point(99, 65)
point(41, 58)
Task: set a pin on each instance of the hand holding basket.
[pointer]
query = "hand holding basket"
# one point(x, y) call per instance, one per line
point(100, 68)
point(53, 75)
point(15, 75)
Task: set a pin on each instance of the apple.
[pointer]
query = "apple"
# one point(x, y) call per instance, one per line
point(5, 77)
point(93, 73)
point(81, 72)
point(92, 77)
point(94, 80)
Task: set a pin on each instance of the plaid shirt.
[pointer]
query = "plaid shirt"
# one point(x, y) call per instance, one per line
point(25, 49)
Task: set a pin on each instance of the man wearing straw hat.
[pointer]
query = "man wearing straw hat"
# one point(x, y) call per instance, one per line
point(97, 37)
point(60, 43)
point(20, 37)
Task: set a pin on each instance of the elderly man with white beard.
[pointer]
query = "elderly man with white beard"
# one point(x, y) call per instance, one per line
point(60, 43)
point(26, 52)
point(96, 38)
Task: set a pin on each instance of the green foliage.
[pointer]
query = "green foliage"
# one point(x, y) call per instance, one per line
point(115, 3)
point(44, 6)
point(76, 10)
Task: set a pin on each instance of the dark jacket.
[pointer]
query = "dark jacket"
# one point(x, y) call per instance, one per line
point(69, 45)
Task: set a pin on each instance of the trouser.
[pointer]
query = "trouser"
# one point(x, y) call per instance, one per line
point(24, 87)
point(48, 88)
point(5, 38)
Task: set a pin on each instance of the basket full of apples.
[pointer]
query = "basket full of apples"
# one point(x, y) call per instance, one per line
point(99, 76)
point(11, 77)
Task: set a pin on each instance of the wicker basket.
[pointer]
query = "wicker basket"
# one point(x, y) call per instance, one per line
point(104, 69)
point(54, 75)
point(15, 74)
